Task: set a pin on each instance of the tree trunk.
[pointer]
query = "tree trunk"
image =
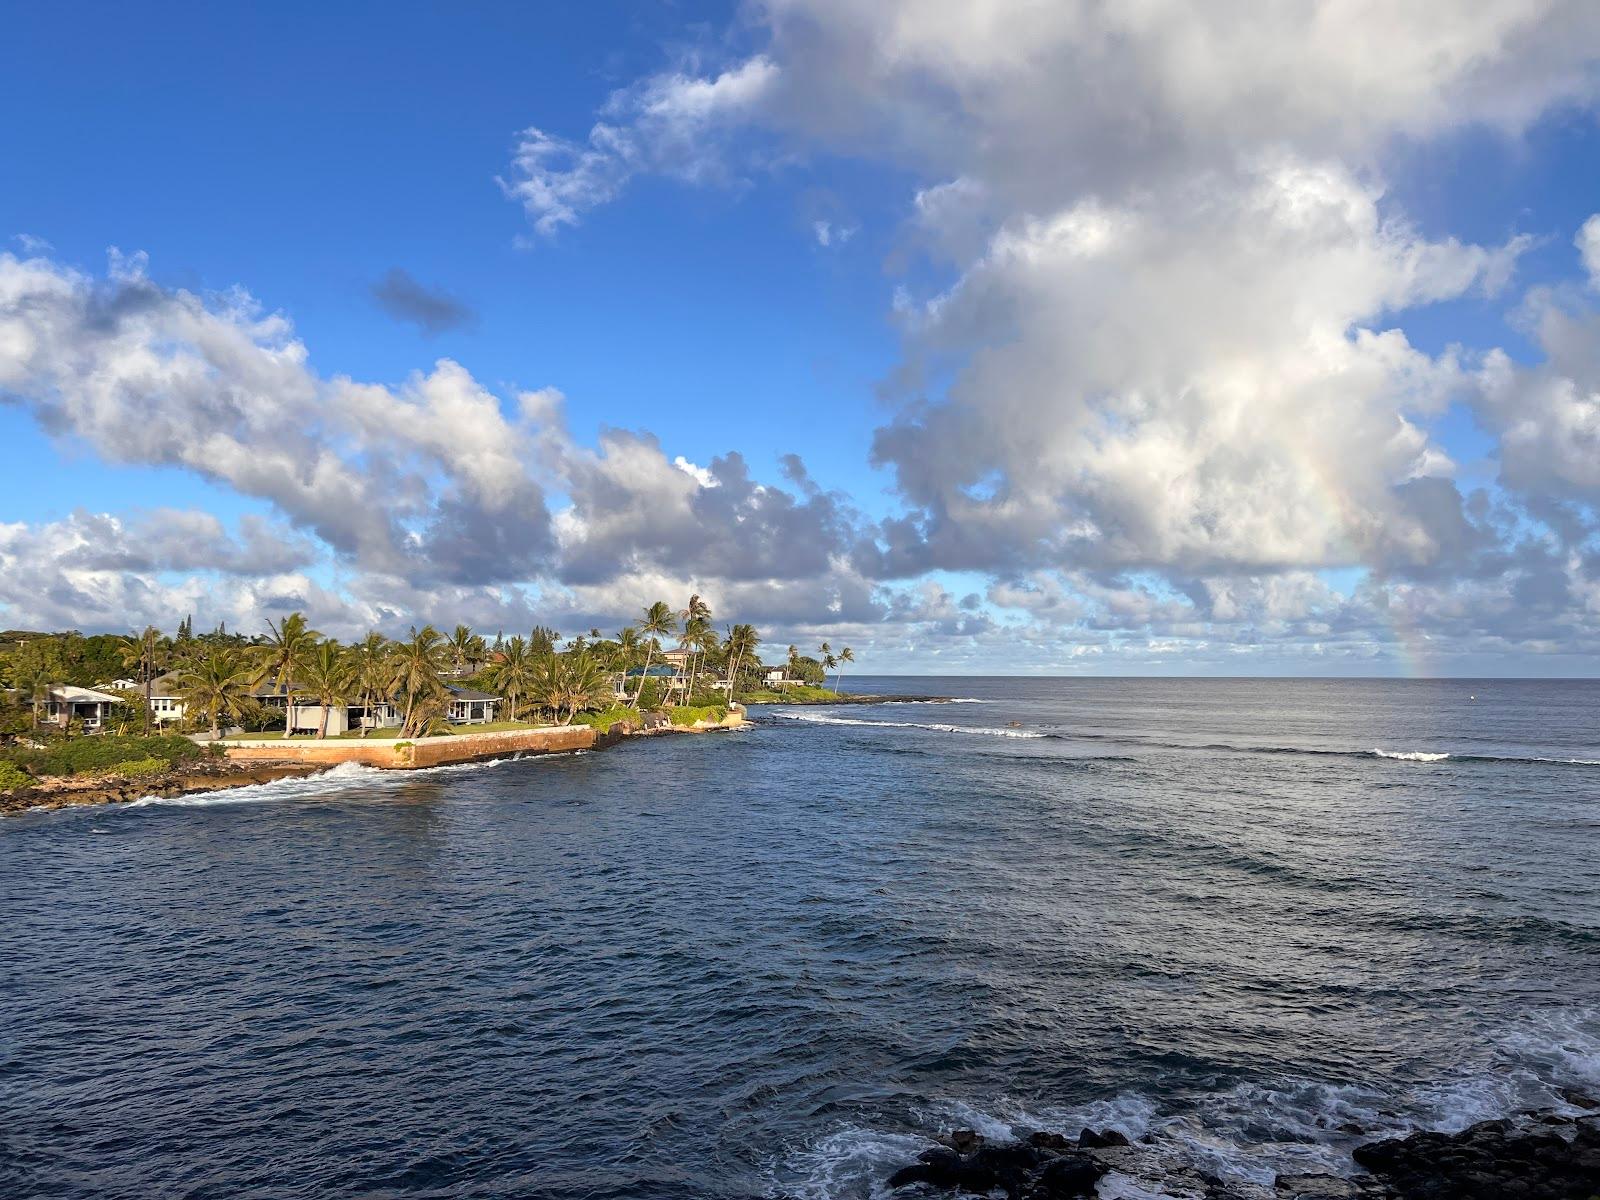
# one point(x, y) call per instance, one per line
point(322, 725)
point(645, 674)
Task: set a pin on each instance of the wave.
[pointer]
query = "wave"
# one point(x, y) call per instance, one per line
point(986, 731)
point(1411, 755)
point(1417, 756)
point(347, 776)
point(1245, 1135)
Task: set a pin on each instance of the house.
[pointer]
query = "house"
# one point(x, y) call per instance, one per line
point(776, 678)
point(471, 707)
point(342, 718)
point(665, 675)
point(65, 704)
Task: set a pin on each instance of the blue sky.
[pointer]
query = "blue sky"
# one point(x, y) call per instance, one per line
point(758, 258)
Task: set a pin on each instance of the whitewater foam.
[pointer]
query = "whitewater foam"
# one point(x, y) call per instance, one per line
point(1411, 755)
point(1246, 1135)
point(821, 719)
point(347, 776)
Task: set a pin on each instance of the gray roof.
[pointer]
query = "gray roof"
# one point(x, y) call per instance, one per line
point(466, 693)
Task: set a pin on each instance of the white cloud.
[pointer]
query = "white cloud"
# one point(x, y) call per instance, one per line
point(671, 124)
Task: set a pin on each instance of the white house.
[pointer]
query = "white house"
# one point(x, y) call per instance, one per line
point(65, 704)
point(469, 707)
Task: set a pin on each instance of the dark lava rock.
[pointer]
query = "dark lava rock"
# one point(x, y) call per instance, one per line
point(1090, 1140)
point(1050, 1141)
point(1579, 1099)
point(1067, 1176)
point(1489, 1161)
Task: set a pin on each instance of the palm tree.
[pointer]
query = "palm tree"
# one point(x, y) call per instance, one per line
point(140, 655)
point(659, 621)
point(328, 677)
point(846, 655)
point(571, 683)
point(516, 672)
point(627, 653)
point(216, 685)
point(414, 675)
point(699, 636)
point(461, 648)
point(371, 674)
point(282, 658)
point(742, 643)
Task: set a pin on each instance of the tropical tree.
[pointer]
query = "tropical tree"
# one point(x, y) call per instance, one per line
point(569, 684)
point(216, 685)
point(140, 654)
point(371, 674)
point(627, 653)
point(282, 657)
point(515, 673)
point(699, 637)
point(542, 641)
point(741, 644)
point(415, 670)
point(846, 655)
point(794, 658)
point(659, 621)
point(328, 677)
point(829, 662)
point(463, 644)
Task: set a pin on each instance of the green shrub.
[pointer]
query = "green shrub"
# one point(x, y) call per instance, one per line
point(12, 778)
point(689, 714)
point(141, 766)
point(650, 695)
point(78, 756)
point(607, 717)
point(805, 694)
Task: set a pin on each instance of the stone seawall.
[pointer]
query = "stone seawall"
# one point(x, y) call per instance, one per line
point(424, 752)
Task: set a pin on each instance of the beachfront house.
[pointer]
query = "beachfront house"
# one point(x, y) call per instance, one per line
point(778, 678)
point(471, 707)
point(66, 705)
point(666, 676)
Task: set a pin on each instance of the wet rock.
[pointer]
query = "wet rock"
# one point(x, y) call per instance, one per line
point(1050, 1141)
point(962, 1141)
point(1068, 1176)
point(1090, 1140)
point(1578, 1099)
point(1491, 1160)
point(1316, 1187)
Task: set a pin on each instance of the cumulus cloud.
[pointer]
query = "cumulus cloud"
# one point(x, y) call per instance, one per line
point(436, 495)
point(1172, 347)
point(431, 310)
point(673, 124)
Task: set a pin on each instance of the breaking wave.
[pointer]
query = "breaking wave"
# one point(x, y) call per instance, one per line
point(345, 777)
point(1411, 755)
point(1245, 1135)
point(987, 731)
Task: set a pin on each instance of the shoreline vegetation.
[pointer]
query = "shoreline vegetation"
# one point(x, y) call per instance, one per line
point(169, 716)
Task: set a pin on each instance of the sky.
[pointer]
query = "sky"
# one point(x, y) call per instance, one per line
point(985, 338)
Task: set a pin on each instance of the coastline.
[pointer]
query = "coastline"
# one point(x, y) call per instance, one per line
point(249, 763)
point(210, 776)
point(254, 762)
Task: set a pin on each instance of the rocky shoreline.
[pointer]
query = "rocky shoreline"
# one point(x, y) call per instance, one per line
point(187, 780)
point(1545, 1155)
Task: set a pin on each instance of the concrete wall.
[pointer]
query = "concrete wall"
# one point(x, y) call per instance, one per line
point(424, 752)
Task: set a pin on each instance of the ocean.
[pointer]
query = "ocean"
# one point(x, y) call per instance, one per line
point(1244, 917)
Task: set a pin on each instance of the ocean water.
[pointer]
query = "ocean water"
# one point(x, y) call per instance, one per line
point(1244, 917)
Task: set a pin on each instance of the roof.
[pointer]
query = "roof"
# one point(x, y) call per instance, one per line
point(658, 671)
point(466, 693)
point(69, 693)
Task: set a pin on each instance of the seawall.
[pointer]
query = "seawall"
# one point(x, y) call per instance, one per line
point(424, 752)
